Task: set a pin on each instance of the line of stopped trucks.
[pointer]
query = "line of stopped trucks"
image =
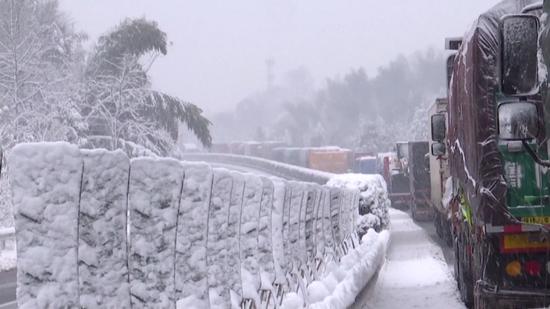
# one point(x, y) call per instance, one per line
point(483, 178)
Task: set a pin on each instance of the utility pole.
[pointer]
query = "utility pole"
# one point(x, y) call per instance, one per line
point(270, 64)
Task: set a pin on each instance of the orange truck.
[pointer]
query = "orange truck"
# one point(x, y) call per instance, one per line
point(330, 160)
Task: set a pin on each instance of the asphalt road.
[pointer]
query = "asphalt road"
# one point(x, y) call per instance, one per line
point(8, 284)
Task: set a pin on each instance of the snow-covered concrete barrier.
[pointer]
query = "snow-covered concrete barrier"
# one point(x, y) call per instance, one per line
point(275, 168)
point(95, 229)
point(192, 233)
point(154, 199)
point(46, 182)
point(102, 246)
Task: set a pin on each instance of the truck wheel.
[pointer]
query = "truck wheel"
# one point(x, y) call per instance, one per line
point(437, 224)
point(456, 263)
point(483, 302)
point(463, 279)
point(412, 207)
point(481, 254)
point(449, 238)
point(447, 233)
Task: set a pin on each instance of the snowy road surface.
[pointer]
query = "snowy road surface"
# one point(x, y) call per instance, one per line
point(7, 289)
point(415, 274)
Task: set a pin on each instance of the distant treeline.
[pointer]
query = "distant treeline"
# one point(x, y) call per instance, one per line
point(355, 111)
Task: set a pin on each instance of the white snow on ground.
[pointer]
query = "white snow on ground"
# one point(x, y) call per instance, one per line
point(415, 274)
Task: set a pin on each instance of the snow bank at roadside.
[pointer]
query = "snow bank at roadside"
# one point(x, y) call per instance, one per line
point(344, 281)
point(373, 203)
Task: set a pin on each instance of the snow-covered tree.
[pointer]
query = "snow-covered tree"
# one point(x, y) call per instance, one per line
point(39, 54)
point(122, 109)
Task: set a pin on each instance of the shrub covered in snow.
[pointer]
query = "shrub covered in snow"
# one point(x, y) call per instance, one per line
point(373, 203)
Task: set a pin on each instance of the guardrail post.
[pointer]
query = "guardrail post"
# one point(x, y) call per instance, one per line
point(265, 246)
point(297, 237)
point(191, 269)
point(248, 239)
point(233, 256)
point(217, 239)
point(278, 242)
point(318, 232)
point(102, 251)
point(154, 198)
point(335, 219)
point(46, 182)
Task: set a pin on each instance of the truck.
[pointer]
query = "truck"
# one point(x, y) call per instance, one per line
point(365, 165)
point(399, 186)
point(419, 180)
point(439, 171)
point(383, 164)
point(496, 140)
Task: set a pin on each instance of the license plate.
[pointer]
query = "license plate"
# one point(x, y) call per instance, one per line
point(536, 220)
point(523, 243)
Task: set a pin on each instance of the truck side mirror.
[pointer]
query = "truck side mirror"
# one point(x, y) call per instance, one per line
point(519, 61)
point(518, 121)
point(439, 127)
point(450, 65)
point(438, 149)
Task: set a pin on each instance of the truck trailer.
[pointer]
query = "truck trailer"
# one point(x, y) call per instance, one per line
point(497, 145)
point(399, 188)
point(419, 181)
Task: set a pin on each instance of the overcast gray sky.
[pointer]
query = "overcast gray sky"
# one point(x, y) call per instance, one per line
point(220, 46)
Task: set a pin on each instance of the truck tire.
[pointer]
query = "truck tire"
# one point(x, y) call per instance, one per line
point(447, 232)
point(481, 252)
point(481, 302)
point(412, 207)
point(443, 228)
point(463, 277)
point(437, 224)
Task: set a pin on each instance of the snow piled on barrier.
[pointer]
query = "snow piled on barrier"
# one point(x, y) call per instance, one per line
point(274, 168)
point(344, 281)
point(195, 236)
point(373, 203)
point(46, 182)
point(102, 256)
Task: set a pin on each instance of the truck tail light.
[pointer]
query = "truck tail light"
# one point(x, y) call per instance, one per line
point(533, 268)
point(513, 269)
